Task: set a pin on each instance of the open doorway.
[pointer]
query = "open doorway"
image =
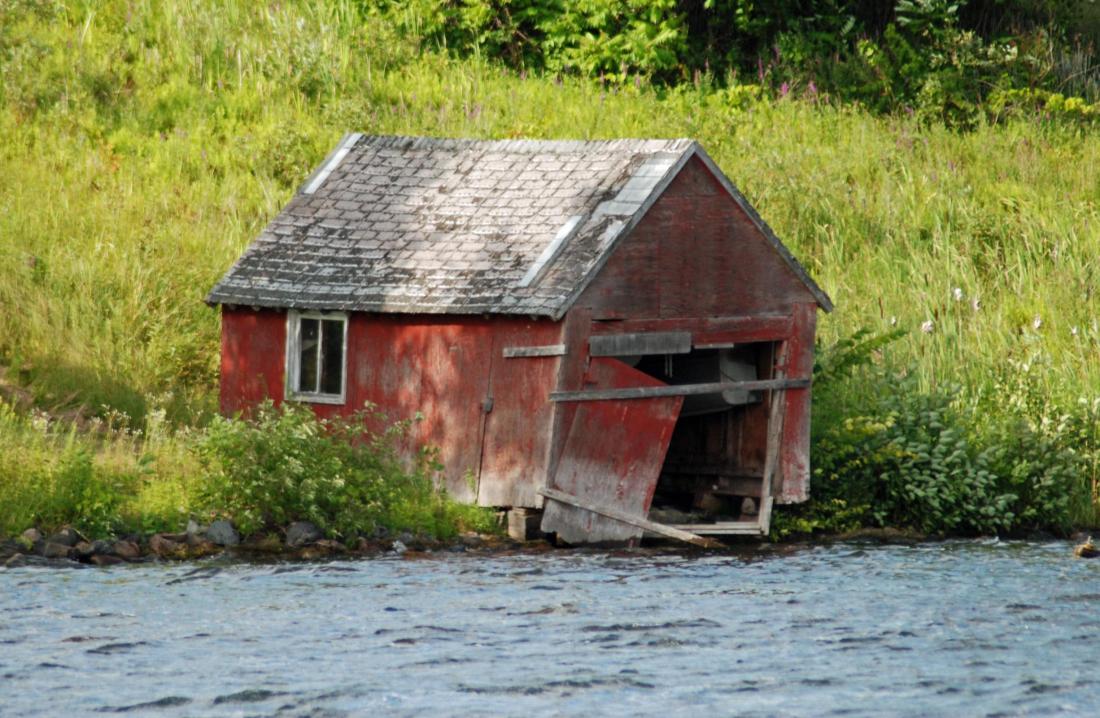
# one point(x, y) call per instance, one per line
point(714, 470)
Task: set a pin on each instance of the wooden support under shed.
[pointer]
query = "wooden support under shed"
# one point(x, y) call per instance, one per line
point(646, 524)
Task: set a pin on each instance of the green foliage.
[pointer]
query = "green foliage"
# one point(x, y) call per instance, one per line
point(285, 464)
point(938, 58)
point(889, 453)
point(1043, 104)
point(616, 39)
point(909, 462)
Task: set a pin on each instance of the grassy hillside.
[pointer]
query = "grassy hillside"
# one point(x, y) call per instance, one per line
point(143, 144)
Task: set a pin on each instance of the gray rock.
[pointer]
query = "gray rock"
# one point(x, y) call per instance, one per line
point(10, 548)
point(222, 533)
point(128, 550)
point(399, 547)
point(31, 536)
point(57, 550)
point(302, 533)
point(193, 527)
point(103, 548)
point(15, 561)
point(67, 536)
point(163, 546)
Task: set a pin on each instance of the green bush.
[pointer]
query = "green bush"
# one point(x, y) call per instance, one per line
point(888, 452)
point(907, 461)
point(285, 464)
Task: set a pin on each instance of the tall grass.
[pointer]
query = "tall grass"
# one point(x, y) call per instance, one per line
point(105, 481)
point(143, 144)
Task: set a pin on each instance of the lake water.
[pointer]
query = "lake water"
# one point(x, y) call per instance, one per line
point(958, 628)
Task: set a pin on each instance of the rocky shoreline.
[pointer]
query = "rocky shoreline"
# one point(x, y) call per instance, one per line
point(299, 541)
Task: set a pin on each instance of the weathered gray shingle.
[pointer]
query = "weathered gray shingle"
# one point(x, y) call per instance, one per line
point(422, 225)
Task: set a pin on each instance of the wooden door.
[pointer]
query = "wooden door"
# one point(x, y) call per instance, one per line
point(612, 457)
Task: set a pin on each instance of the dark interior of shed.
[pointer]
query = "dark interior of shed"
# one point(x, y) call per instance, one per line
point(713, 471)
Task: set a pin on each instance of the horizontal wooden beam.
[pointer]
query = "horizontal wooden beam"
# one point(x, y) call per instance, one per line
point(615, 514)
point(707, 330)
point(640, 344)
point(547, 350)
point(725, 528)
point(654, 392)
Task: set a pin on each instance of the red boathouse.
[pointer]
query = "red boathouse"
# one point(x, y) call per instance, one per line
point(593, 329)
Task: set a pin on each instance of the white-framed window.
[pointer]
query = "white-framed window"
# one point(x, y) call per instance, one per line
point(316, 356)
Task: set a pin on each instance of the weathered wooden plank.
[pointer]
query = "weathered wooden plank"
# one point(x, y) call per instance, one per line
point(794, 457)
point(646, 524)
point(776, 413)
point(654, 392)
point(571, 370)
point(638, 344)
point(611, 456)
point(724, 528)
point(547, 350)
point(765, 515)
point(706, 330)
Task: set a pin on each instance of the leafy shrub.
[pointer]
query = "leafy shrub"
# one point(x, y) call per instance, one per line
point(1045, 453)
point(889, 453)
point(285, 464)
point(908, 461)
point(1011, 102)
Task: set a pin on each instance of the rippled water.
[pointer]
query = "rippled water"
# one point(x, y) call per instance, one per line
point(958, 628)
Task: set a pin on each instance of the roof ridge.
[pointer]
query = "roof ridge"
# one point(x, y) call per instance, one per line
point(637, 144)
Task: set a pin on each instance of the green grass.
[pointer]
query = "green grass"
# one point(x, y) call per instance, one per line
point(142, 146)
point(104, 479)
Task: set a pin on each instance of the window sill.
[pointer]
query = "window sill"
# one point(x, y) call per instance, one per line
point(316, 398)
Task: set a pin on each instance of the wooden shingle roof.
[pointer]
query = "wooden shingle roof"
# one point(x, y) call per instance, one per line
point(422, 225)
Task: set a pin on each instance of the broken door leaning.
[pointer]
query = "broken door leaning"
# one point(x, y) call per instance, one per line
point(612, 457)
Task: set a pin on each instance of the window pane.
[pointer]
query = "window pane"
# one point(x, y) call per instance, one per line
point(307, 357)
point(332, 356)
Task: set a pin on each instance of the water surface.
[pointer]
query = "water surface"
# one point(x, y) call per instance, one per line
point(957, 628)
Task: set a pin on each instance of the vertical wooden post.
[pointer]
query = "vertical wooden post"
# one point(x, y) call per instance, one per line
point(794, 457)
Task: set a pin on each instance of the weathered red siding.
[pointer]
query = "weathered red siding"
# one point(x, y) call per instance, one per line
point(694, 254)
point(794, 455)
point(516, 451)
point(253, 358)
point(442, 369)
point(612, 456)
point(697, 263)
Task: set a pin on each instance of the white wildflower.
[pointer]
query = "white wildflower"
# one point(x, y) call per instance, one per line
point(957, 292)
point(1037, 323)
point(893, 321)
point(1073, 331)
point(976, 304)
point(927, 326)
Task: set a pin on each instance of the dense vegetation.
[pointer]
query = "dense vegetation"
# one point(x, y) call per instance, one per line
point(933, 166)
